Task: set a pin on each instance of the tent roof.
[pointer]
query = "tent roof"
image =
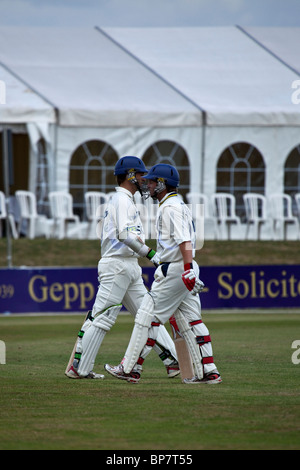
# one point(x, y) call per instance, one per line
point(91, 81)
point(151, 77)
point(282, 42)
point(22, 105)
point(225, 72)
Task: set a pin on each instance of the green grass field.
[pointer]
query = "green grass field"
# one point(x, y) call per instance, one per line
point(41, 252)
point(256, 407)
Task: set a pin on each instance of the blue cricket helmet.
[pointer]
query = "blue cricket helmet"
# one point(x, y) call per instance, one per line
point(165, 171)
point(129, 163)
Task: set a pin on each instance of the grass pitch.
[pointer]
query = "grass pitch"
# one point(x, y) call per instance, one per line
point(256, 407)
point(86, 253)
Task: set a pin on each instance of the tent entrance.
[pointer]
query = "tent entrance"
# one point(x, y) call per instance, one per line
point(19, 166)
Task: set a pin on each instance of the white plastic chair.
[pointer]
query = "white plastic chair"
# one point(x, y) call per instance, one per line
point(36, 224)
point(224, 210)
point(281, 211)
point(297, 199)
point(256, 213)
point(95, 203)
point(3, 212)
point(3, 216)
point(198, 202)
point(61, 209)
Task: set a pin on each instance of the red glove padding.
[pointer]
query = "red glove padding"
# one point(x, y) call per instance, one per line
point(189, 276)
point(191, 280)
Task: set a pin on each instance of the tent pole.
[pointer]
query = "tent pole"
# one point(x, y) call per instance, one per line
point(6, 134)
point(203, 151)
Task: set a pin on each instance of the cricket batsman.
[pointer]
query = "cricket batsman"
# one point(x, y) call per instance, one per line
point(175, 288)
point(120, 276)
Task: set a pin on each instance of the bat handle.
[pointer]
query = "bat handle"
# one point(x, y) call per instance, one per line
point(174, 326)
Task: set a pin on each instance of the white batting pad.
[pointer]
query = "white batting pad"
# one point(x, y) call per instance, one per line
point(140, 332)
point(93, 338)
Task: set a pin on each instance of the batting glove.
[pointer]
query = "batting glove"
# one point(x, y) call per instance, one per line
point(198, 287)
point(191, 280)
point(153, 257)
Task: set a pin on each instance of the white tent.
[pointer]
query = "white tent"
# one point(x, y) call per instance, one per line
point(281, 42)
point(219, 69)
point(204, 88)
point(97, 90)
point(90, 81)
point(244, 90)
point(21, 105)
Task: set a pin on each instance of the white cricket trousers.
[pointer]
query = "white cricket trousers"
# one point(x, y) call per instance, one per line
point(120, 282)
point(170, 294)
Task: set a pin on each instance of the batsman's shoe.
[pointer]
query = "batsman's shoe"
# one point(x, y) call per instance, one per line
point(118, 372)
point(212, 378)
point(173, 369)
point(72, 374)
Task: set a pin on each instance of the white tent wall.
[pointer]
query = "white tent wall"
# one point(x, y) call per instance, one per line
point(36, 131)
point(190, 138)
point(274, 143)
point(127, 141)
point(25, 112)
point(203, 88)
point(70, 138)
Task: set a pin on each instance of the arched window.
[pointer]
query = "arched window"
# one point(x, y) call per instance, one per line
point(166, 151)
point(91, 169)
point(240, 170)
point(292, 172)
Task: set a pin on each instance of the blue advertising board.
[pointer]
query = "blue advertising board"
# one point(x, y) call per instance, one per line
point(24, 290)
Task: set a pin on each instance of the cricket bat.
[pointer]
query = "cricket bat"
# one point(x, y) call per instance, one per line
point(75, 346)
point(183, 354)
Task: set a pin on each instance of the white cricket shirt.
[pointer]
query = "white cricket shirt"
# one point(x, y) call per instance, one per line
point(174, 225)
point(120, 214)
